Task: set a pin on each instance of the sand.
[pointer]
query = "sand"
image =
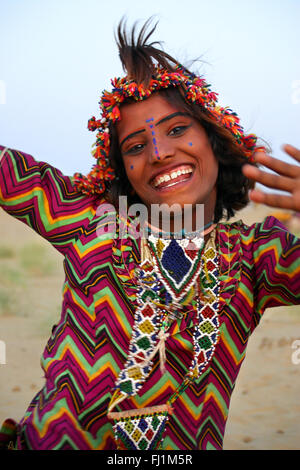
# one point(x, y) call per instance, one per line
point(265, 405)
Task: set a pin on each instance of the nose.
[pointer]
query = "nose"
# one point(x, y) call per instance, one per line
point(160, 149)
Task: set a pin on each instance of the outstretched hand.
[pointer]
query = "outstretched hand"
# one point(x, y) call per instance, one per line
point(286, 178)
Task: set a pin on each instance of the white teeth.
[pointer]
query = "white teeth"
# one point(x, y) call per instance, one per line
point(171, 176)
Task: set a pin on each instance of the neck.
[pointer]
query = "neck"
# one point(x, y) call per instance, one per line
point(189, 222)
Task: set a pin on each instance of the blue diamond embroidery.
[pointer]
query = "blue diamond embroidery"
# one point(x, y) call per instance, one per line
point(143, 424)
point(175, 262)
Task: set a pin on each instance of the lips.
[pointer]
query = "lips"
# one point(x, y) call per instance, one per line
point(173, 176)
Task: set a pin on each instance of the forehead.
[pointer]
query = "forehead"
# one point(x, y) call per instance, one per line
point(138, 114)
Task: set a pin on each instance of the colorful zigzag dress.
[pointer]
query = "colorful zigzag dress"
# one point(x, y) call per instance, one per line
point(91, 347)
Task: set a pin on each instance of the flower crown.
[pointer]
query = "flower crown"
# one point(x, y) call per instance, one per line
point(195, 89)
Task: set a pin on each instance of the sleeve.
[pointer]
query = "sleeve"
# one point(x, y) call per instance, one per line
point(44, 199)
point(276, 255)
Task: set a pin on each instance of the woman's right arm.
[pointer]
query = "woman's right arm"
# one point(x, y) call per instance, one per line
point(43, 198)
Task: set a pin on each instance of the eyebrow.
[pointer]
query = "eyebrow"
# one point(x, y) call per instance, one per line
point(131, 135)
point(171, 116)
point(164, 119)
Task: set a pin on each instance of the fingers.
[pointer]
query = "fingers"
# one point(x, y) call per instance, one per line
point(286, 177)
point(279, 166)
point(292, 151)
point(273, 200)
point(275, 181)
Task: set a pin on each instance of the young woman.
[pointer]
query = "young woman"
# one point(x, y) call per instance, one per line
point(153, 329)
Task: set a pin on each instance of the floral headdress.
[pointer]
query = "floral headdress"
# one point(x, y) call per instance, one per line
point(196, 90)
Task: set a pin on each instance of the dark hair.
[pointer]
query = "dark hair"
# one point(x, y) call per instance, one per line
point(138, 60)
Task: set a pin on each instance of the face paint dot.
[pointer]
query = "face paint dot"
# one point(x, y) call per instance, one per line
point(190, 143)
point(131, 167)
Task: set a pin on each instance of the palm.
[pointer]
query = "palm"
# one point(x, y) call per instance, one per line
point(286, 177)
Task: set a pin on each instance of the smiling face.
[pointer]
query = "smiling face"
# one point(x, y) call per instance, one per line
point(167, 155)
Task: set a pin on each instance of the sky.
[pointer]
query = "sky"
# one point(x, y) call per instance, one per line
point(57, 56)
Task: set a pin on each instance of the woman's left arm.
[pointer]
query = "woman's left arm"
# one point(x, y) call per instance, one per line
point(286, 177)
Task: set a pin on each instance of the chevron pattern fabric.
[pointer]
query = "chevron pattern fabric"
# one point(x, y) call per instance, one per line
point(259, 268)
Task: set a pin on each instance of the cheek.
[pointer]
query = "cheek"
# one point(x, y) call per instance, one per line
point(133, 172)
point(206, 158)
point(129, 166)
point(213, 164)
point(213, 171)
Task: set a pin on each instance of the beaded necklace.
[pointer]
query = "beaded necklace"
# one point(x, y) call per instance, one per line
point(174, 280)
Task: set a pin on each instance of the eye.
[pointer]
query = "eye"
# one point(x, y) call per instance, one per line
point(178, 130)
point(135, 149)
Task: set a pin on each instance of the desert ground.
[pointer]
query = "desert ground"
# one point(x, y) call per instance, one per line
point(265, 406)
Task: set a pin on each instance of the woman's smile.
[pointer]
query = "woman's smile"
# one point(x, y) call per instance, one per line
point(169, 178)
